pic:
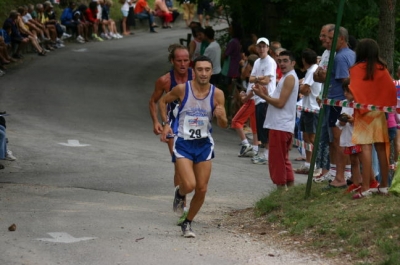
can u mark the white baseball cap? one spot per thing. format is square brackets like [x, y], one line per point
[265, 40]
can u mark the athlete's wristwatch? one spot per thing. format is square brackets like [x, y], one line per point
[164, 123]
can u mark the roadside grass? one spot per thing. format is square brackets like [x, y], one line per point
[333, 223]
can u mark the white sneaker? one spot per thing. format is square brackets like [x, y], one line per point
[244, 149]
[66, 36]
[119, 36]
[80, 40]
[327, 177]
[259, 160]
[251, 153]
[9, 156]
[317, 172]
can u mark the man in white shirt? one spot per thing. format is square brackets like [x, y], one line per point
[264, 74]
[310, 91]
[280, 120]
[213, 51]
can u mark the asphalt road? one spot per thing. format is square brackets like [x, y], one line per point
[110, 202]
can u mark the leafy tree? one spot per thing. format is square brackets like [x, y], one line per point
[297, 23]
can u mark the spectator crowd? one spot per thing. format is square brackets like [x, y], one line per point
[357, 149]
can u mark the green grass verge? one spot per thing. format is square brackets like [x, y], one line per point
[333, 223]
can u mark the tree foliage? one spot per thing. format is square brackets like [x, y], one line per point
[297, 23]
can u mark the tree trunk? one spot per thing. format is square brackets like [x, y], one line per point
[386, 30]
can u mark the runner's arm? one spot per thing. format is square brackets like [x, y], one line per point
[155, 97]
[219, 111]
[176, 93]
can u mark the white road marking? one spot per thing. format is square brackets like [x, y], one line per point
[60, 237]
[80, 50]
[74, 143]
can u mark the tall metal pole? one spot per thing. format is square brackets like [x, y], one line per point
[324, 93]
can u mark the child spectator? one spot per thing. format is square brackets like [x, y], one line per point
[107, 22]
[67, 19]
[79, 21]
[345, 122]
[308, 119]
[247, 111]
[125, 12]
[90, 15]
[195, 44]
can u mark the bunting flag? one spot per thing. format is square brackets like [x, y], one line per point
[354, 105]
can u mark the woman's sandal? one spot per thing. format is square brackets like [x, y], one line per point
[42, 53]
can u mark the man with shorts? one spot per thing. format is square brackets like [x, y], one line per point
[263, 73]
[324, 171]
[188, 11]
[309, 115]
[179, 74]
[280, 120]
[193, 144]
[344, 59]
[204, 6]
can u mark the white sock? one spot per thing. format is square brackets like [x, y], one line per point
[255, 148]
[245, 141]
[266, 153]
[306, 164]
[333, 169]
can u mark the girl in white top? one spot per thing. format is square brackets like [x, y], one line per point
[125, 11]
[345, 122]
[195, 44]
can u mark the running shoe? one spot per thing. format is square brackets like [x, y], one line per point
[244, 149]
[94, 36]
[80, 39]
[179, 202]
[259, 160]
[182, 218]
[187, 230]
[9, 156]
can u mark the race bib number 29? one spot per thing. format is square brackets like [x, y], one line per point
[195, 127]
